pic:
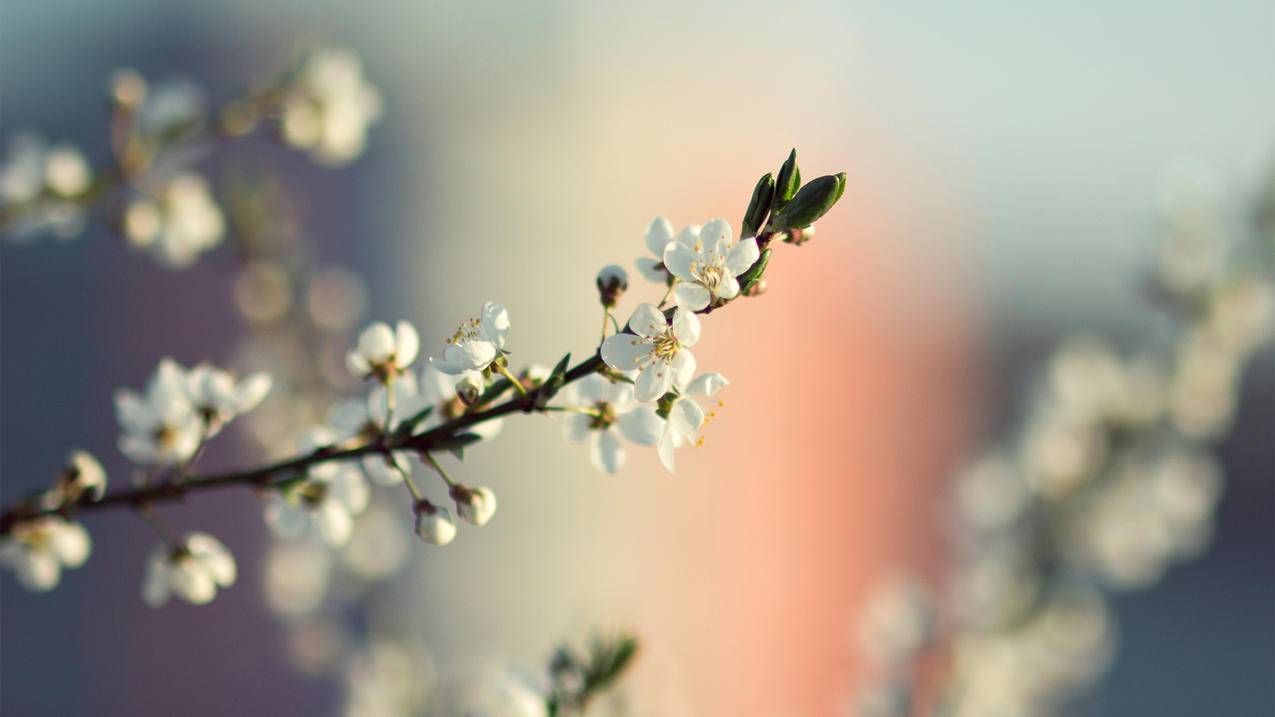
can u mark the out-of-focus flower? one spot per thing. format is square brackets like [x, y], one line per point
[612, 282]
[161, 428]
[296, 577]
[474, 505]
[384, 353]
[82, 476]
[172, 106]
[328, 108]
[612, 412]
[685, 416]
[326, 499]
[389, 678]
[44, 180]
[898, 622]
[658, 236]
[191, 571]
[177, 222]
[36, 550]
[476, 343]
[434, 524]
[365, 421]
[658, 350]
[218, 395]
[706, 269]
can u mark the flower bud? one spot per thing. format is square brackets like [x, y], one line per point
[469, 388]
[612, 281]
[757, 288]
[474, 505]
[83, 475]
[434, 524]
[128, 88]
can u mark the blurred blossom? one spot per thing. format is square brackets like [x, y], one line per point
[990, 493]
[388, 679]
[324, 501]
[176, 222]
[296, 578]
[172, 106]
[336, 299]
[379, 545]
[263, 291]
[328, 108]
[503, 690]
[39, 183]
[191, 569]
[898, 621]
[37, 551]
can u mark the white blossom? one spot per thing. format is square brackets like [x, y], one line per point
[176, 222]
[328, 109]
[474, 505]
[326, 500]
[658, 237]
[686, 416]
[612, 412]
[657, 349]
[218, 395]
[162, 427]
[83, 475]
[44, 180]
[364, 421]
[442, 391]
[36, 550]
[476, 343]
[191, 571]
[706, 269]
[382, 352]
[434, 524]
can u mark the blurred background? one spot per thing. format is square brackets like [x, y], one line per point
[1004, 174]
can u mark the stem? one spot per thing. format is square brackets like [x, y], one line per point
[606, 318]
[429, 458]
[407, 481]
[504, 371]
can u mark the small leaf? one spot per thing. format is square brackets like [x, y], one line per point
[812, 202]
[754, 273]
[553, 384]
[758, 206]
[787, 182]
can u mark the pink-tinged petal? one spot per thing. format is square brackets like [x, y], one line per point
[658, 234]
[648, 321]
[679, 258]
[642, 425]
[653, 382]
[652, 269]
[495, 324]
[407, 344]
[742, 256]
[624, 352]
[690, 295]
[683, 368]
[606, 453]
[686, 327]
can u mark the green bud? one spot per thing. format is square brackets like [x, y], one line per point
[758, 206]
[787, 182]
[813, 201]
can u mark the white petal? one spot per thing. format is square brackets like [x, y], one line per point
[641, 425]
[683, 368]
[192, 581]
[407, 344]
[742, 256]
[349, 490]
[251, 391]
[685, 419]
[678, 259]
[495, 323]
[382, 473]
[691, 295]
[715, 234]
[652, 269]
[357, 365]
[686, 327]
[155, 584]
[376, 343]
[706, 384]
[71, 544]
[133, 414]
[39, 571]
[436, 386]
[625, 352]
[487, 430]
[658, 234]
[285, 519]
[215, 557]
[648, 321]
[689, 235]
[654, 381]
[606, 453]
[665, 449]
[727, 288]
[577, 427]
[334, 523]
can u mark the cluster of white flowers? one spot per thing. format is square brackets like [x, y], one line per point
[1108, 483]
[40, 184]
[181, 409]
[329, 106]
[176, 222]
[36, 550]
[191, 568]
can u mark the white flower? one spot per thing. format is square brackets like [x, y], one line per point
[612, 412]
[177, 222]
[330, 107]
[218, 396]
[325, 500]
[364, 422]
[658, 236]
[474, 505]
[441, 391]
[706, 269]
[36, 550]
[44, 180]
[162, 428]
[657, 349]
[686, 416]
[476, 343]
[192, 571]
[83, 475]
[382, 352]
[435, 524]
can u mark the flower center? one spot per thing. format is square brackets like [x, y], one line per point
[604, 417]
[710, 276]
[666, 347]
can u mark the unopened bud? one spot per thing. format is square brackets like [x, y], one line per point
[469, 388]
[757, 288]
[612, 281]
[434, 524]
[800, 236]
[474, 505]
[83, 475]
[128, 88]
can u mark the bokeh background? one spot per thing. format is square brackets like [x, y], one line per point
[1004, 164]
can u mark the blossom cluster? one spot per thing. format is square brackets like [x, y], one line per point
[1107, 484]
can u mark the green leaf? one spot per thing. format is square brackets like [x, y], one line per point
[553, 384]
[758, 206]
[787, 182]
[811, 202]
[456, 444]
[754, 273]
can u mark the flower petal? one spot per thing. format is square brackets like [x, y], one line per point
[577, 427]
[665, 449]
[654, 381]
[685, 419]
[686, 327]
[715, 236]
[652, 269]
[642, 425]
[376, 342]
[495, 323]
[706, 384]
[683, 368]
[407, 344]
[691, 295]
[648, 321]
[624, 352]
[71, 544]
[658, 234]
[742, 256]
[606, 453]
[678, 259]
